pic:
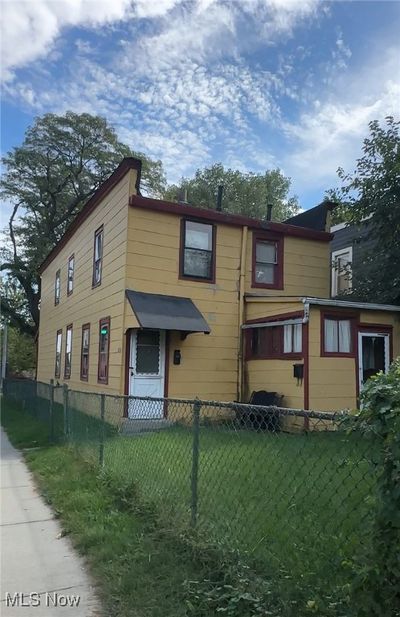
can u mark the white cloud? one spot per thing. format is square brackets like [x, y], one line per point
[330, 135]
[31, 26]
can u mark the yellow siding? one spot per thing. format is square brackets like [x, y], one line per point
[276, 376]
[306, 268]
[268, 307]
[208, 367]
[86, 304]
[332, 380]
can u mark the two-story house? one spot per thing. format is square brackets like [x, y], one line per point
[153, 298]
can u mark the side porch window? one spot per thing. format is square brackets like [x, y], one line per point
[337, 334]
[279, 342]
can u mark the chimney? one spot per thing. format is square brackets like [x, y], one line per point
[183, 195]
[269, 212]
[219, 197]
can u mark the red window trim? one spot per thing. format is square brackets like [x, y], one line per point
[339, 316]
[278, 355]
[198, 279]
[98, 231]
[58, 374]
[69, 261]
[102, 322]
[85, 326]
[278, 278]
[58, 276]
[68, 376]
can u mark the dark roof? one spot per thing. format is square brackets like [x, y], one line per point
[238, 220]
[314, 218]
[162, 312]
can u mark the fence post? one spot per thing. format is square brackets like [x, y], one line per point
[102, 426]
[51, 411]
[195, 462]
[66, 411]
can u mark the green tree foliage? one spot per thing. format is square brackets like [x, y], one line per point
[244, 193]
[376, 586]
[47, 180]
[21, 352]
[372, 191]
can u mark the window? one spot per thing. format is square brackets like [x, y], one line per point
[70, 275]
[57, 287]
[148, 352]
[292, 334]
[98, 256]
[68, 353]
[341, 270]
[275, 342]
[85, 352]
[267, 261]
[104, 349]
[337, 336]
[57, 369]
[197, 259]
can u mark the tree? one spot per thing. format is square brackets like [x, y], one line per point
[372, 192]
[47, 180]
[244, 193]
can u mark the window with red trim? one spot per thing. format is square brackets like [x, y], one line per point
[68, 353]
[98, 256]
[57, 368]
[275, 342]
[85, 352]
[267, 261]
[57, 287]
[70, 275]
[104, 350]
[337, 336]
[197, 252]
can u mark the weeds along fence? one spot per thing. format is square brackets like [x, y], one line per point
[290, 490]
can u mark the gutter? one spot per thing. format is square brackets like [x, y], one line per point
[347, 304]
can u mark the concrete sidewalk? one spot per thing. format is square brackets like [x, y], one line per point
[34, 558]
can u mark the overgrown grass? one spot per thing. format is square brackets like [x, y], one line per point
[297, 506]
[143, 569]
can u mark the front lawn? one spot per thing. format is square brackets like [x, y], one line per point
[296, 505]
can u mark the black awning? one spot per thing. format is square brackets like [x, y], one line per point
[161, 312]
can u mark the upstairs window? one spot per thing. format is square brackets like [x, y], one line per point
[267, 261]
[85, 352]
[337, 336]
[57, 369]
[275, 342]
[57, 288]
[197, 258]
[104, 350]
[341, 271]
[70, 275]
[68, 353]
[98, 256]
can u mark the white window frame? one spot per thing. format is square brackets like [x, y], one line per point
[348, 250]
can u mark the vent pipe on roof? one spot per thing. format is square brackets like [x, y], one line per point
[183, 195]
[269, 212]
[219, 197]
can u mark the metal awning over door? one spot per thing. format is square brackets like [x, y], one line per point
[162, 312]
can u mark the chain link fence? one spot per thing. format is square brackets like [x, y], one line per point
[290, 490]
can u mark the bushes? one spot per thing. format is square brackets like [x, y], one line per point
[376, 587]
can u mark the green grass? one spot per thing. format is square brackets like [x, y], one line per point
[298, 506]
[142, 569]
[295, 508]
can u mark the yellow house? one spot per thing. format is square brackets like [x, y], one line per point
[152, 298]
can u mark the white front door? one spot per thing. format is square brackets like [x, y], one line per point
[147, 373]
[373, 354]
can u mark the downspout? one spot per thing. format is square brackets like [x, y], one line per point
[306, 353]
[242, 278]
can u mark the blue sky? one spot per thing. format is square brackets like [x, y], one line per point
[256, 84]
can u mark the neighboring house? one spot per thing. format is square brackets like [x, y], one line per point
[349, 247]
[152, 298]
